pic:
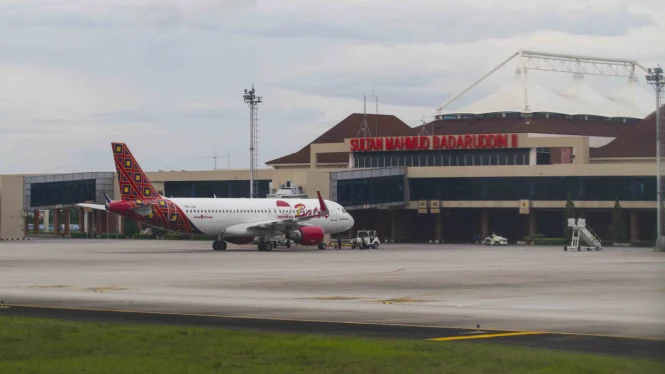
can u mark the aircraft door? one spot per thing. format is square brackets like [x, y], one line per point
[333, 214]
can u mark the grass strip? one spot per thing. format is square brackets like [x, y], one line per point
[37, 345]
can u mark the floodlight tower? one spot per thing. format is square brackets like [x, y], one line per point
[656, 79]
[252, 101]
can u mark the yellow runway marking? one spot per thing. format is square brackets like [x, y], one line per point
[96, 289]
[402, 300]
[102, 289]
[486, 336]
[318, 321]
[336, 298]
[53, 286]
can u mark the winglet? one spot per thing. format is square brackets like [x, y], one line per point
[92, 206]
[322, 203]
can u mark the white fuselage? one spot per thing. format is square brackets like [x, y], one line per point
[214, 215]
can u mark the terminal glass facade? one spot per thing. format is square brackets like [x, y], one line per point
[232, 188]
[62, 193]
[475, 157]
[352, 192]
[638, 188]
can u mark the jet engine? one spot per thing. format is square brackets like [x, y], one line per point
[239, 240]
[306, 235]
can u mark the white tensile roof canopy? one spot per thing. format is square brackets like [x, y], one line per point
[524, 95]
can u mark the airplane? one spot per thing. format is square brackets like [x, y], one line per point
[232, 220]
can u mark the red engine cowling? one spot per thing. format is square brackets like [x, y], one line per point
[306, 235]
[239, 240]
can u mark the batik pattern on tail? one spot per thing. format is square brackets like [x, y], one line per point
[137, 191]
[133, 182]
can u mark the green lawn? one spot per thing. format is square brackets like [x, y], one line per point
[31, 345]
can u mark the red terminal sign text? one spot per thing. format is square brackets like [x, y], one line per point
[415, 143]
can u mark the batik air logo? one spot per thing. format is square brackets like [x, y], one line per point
[300, 209]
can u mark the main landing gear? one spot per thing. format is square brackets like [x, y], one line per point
[219, 245]
[265, 245]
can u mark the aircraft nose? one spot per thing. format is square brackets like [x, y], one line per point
[351, 221]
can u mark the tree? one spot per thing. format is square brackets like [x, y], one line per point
[131, 228]
[618, 227]
[568, 213]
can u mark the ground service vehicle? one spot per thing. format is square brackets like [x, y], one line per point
[365, 239]
[496, 240]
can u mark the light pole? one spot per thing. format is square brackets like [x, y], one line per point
[655, 78]
[252, 100]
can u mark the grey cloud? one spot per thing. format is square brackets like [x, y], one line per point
[224, 131]
[176, 57]
[159, 15]
[208, 113]
[456, 24]
[134, 115]
[164, 15]
[453, 24]
[403, 89]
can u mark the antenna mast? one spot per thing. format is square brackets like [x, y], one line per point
[252, 101]
[423, 130]
[228, 160]
[376, 124]
[214, 156]
[364, 127]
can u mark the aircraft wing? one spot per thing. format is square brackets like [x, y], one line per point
[140, 210]
[277, 224]
[92, 206]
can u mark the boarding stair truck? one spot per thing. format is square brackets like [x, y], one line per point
[582, 233]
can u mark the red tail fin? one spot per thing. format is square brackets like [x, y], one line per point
[133, 182]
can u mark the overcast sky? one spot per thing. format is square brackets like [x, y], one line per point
[167, 77]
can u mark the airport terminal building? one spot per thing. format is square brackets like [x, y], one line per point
[507, 163]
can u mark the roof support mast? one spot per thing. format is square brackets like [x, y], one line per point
[580, 64]
[524, 89]
[476, 83]
[533, 60]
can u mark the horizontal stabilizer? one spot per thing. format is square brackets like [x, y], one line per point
[144, 210]
[92, 206]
